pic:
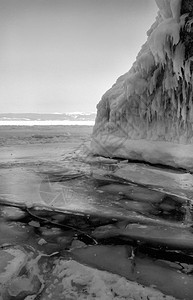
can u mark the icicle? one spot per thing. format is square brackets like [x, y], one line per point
[170, 93]
[189, 25]
[179, 108]
[187, 72]
[175, 82]
[157, 101]
[142, 107]
[145, 61]
[183, 112]
[153, 81]
[151, 87]
[178, 60]
[183, 20]
[190, 98]
[168, 82]
[168, 49]
[191, 113]
[153, 108]
[184, 91]
[173, 100]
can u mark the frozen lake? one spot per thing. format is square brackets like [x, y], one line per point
[129, 219]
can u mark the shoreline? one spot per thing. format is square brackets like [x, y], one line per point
[47, 123]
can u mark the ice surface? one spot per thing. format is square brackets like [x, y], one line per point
[65, 194]
[169, 237]
[156, 152]
[176, 182]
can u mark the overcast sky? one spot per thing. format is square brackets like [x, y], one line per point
[62, 55]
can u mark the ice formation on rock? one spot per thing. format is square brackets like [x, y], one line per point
[151, 106]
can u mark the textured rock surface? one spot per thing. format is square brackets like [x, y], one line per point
[19, 277]
[153, 103]
[73, 280]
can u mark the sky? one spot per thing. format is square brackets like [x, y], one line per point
[63, 55]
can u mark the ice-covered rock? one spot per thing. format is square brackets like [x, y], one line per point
[19, 274]
[72, 280]
[148, 113]
[12, 213]
[145, 271]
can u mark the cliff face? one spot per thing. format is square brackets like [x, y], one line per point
[148, 113]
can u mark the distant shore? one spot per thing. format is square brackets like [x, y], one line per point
[37, 119]
[46, 123]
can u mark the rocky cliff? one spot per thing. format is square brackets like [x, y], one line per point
[148, 113]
